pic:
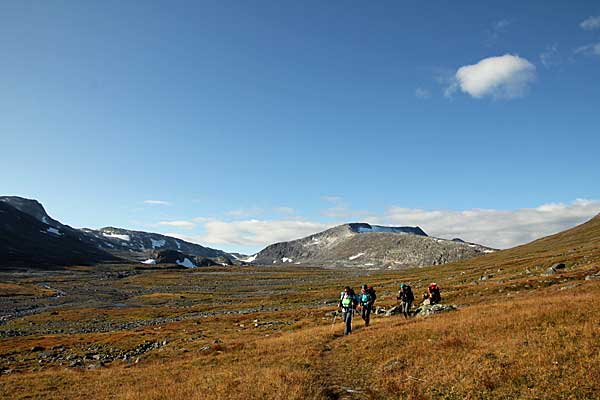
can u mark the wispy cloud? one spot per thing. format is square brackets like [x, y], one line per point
[421, 93]
[592, 49]
[503, 77]
[496, 30]
[550, 57]
[284, 210]
[331, 199]
[245, 212]
[188, 225]
[590, 23]
[157, 202]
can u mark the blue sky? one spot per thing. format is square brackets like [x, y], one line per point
[254, 122]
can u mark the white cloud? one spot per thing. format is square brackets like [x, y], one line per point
[157, 202]
[590, 23]
[422, 93]
[505, 77]
[589, 49]
[179, 224]
[259, 233]
[244, 212]
[497, 228]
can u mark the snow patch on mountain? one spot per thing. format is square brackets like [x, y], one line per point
[149, 261]
[250, 259]
[116, 236]
[186, 263]
[158, 243]
[54, 231]
[285, 259]
[356, 256]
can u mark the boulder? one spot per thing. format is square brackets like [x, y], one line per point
[429, 309]
[393, 311]
[593, 277]
[548, 272]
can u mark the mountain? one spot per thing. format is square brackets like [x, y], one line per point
[365, 245]
[22, 217]
[139, 244]
[26, 241]
[31, 207]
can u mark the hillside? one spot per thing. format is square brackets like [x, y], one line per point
[363, 245]
[26, 242]
[105, 244]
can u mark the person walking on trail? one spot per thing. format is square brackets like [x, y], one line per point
[405, 295]
[366, 304]
[348, 302]
[433, 293]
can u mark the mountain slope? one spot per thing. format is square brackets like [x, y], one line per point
[26, 241]
[364, 245]
[120, 243]
[139, 244]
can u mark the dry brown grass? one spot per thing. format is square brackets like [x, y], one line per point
[23, 289]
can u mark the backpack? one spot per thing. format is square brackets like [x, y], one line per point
[409, 294]
[365, 298]
[350, 300]
[371, 291]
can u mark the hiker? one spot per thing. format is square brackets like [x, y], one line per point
[405, 295]
[433, 293]
[348, 302]
[366, 303]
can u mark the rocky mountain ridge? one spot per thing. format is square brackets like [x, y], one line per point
[365, 245]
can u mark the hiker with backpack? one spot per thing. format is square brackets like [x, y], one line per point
[348, 302]
[405, 295]
[366, 303]
[433, 293]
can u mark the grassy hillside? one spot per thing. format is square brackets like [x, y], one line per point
[264, 333]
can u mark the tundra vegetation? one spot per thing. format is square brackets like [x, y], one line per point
[520, 331]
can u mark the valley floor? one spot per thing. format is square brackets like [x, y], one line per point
[266, 333]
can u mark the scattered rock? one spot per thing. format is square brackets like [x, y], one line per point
[485, 277]
[393, 311]
[37, 348]
[554, 269]
[593, 277]
[429, 309]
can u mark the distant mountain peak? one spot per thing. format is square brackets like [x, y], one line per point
[366, 245]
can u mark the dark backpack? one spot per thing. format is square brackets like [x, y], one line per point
[371, 291]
